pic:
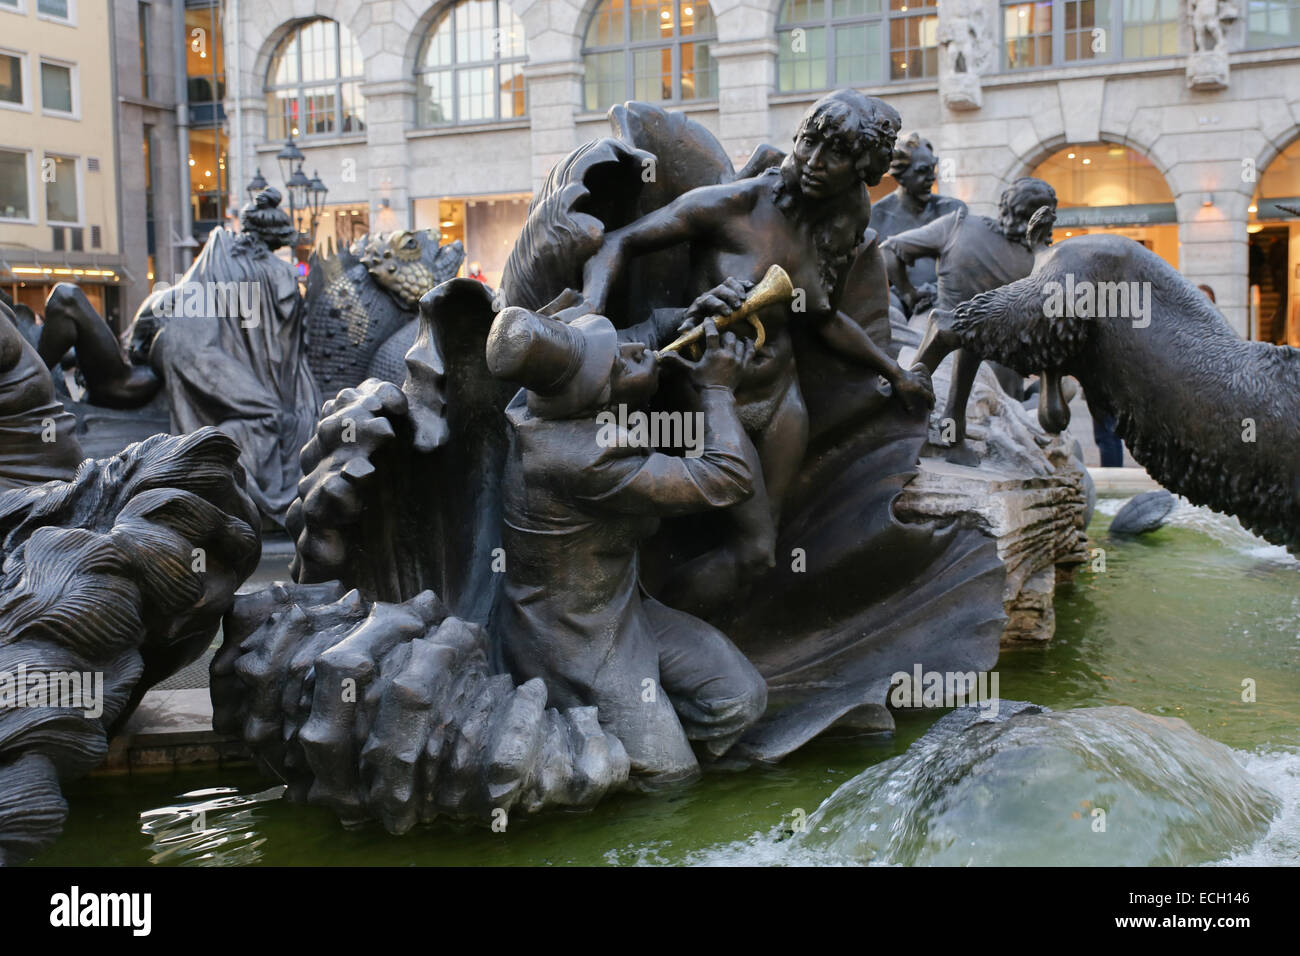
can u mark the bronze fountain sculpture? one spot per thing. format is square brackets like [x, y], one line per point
[636, 517]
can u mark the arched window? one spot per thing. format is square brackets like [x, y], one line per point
[651, 50]
[313, 87]
[471, 65]
[832, 43]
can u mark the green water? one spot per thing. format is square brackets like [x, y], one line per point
[1173, 626]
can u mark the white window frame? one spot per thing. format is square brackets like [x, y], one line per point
[20, 9]
[31, 219]
[70, 20]
[79, 179]
[74, 81]
[24, 70]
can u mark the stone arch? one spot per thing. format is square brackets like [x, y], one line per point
[276, 18]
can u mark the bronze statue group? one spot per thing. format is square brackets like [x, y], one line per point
[539, 615]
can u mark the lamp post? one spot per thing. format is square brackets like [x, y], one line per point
[306, 196]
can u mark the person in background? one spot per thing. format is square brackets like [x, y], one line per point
[476, 272]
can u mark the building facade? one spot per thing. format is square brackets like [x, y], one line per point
[1152, 118]
[60, 216]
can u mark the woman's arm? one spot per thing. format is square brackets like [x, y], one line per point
[689, 217]
[847, 338]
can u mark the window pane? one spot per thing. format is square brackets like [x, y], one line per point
[801, 62]
[651, 19]
[604, 81]
[281, 114]
[512, 91]
[11, 79]
[284, 68]
[801, 11]
[913, 47]
[652, 75]
[1150, 27]
[354, 108]
[350, 59]
[61, 191]
[857, 54]
[858, 8]
[697, 19]
[1028, 31]
[56, 87]
[512, 33]
[13, 185]
[53, 8]
[474, 95]
[474, 31]
[437, 48]
[606, 27]
[319, 51]
[320, 104]
[698, 72]
[435, 106]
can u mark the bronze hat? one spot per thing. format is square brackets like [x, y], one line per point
[564, 367]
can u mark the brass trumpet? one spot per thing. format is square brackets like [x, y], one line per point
[774, 288]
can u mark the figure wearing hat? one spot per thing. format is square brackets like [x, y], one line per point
[576, 509]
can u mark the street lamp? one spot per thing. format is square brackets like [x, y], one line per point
[257, 184]
[316, 198]
[306, 196]
[287, 157]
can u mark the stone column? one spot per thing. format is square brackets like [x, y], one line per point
[1214, 249]
[746, 74]
[554, 95]
[390, 112]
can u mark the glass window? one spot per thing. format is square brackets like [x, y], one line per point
[1027, 35]
[824, 43]
[471, 66]
[313, 86]
[15, 202]
[60, 178]
[1150, 28]
[659, 51]
[11, 4]
[11, 79]
[1272, 23]
[1036, 34]
[54, 8]
[56, 88]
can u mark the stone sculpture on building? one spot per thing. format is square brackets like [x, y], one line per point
[1207, 64]
[966, 47]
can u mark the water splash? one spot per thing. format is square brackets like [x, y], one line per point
[1225, 529]
[1026, 792]
[215, 827]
